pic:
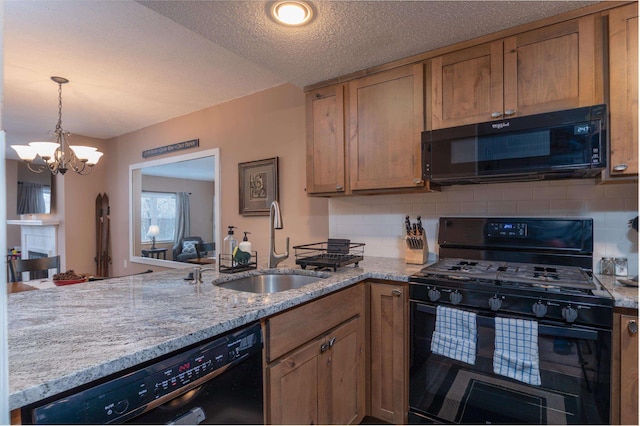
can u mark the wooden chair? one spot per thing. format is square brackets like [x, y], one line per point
[204, 249]
[38, 267]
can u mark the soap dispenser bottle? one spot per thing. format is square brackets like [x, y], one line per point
[230, 243]
[245, 244]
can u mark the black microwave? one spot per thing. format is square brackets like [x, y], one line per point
[555, 145]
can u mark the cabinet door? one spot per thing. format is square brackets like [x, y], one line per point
[386, 118]
[628, 370]
[552, 68]
[623, 90]
[323, 382]
[293, 386]
[342, 383]
[466, 86]
[389, 353]
[325, 140]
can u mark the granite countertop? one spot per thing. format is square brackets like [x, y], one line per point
[63, 337]
[624, 296]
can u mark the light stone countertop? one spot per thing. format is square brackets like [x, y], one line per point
[624, 296]
[63, 337]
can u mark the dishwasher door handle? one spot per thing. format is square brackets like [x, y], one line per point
[194, 416]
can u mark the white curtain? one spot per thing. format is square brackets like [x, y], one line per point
[31, 198]
[183, 217]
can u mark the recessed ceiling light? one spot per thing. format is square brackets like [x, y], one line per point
[292, 12]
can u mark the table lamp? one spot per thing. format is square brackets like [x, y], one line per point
[153, 232]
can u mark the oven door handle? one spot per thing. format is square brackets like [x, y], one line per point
[570, 332]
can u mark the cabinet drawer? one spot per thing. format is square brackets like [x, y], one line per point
[288, 330]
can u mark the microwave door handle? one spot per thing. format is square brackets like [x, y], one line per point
[543, 329]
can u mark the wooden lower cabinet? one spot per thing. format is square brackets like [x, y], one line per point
[624, 372]
[322, 380]
[388, 351]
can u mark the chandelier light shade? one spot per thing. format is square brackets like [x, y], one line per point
[59, 156]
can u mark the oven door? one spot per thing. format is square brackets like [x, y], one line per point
[574, 369]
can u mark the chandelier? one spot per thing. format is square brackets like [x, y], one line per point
[59, 156]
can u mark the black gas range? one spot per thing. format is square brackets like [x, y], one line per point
[533, 272]
[538, 267]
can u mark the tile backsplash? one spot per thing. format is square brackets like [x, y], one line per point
[378, 220]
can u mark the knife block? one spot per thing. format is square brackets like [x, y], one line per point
[416, 251]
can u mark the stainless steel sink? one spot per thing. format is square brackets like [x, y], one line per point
[269, 283]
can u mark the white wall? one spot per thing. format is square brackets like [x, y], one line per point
[378, 221]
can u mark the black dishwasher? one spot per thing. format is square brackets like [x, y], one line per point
[216, 382]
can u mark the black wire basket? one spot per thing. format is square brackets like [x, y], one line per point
[332, 254]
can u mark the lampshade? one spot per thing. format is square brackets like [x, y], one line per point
[25, 152]
[82, 152]
[46, 150]
[93, 157]
[154, 231]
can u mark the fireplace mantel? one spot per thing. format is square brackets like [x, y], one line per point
[34, 222]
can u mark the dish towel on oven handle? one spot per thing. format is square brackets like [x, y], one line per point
[516, 350]
[455, 334]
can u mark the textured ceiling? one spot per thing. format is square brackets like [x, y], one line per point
[134, 64]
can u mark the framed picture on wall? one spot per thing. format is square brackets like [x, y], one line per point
[258, 186]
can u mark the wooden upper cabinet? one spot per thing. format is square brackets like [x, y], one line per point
[386, 118]
[466, 86]
[623, 90]
[552, 68]
[325, 140]
[548, 69]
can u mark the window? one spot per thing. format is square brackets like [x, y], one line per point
[158, 208]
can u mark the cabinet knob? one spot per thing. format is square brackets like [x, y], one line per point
[418, 181]
[339, 187]
[396, 292]
[633, 327]
[496, 114]
[318, 95]
[509, 112]
[620, 168]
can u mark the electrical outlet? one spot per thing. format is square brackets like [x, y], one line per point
[125, 264]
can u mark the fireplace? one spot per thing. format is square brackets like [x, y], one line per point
[39, 238]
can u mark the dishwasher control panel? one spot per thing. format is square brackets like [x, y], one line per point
[125, 397]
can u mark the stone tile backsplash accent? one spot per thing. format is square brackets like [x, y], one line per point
[378, 220]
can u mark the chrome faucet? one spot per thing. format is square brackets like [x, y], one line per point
[275, 222]
[197, 274]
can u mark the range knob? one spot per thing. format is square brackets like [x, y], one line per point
[495, 303]
[434, 294]
[122, 406]
[455, 297]
[569, 314]
[539, 308]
